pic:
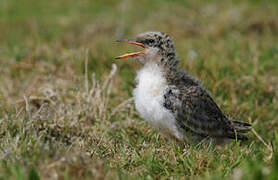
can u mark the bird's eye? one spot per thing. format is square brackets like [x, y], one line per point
[149, 41]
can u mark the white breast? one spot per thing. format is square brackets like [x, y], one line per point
[149, 99]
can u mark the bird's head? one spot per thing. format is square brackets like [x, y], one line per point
[157, 47]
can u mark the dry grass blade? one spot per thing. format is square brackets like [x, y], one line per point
[268, 146]
[86, 71]
[27, 107]
[121, 106]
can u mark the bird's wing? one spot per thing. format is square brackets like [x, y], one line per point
[195, 110]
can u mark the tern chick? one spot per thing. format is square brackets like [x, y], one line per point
[173, 101]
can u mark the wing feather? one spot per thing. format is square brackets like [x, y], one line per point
[195, 110]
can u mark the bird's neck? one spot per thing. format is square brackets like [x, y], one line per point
[167, 64]
[169, 61]
[163, 70]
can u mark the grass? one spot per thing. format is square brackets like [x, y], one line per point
[66, 111]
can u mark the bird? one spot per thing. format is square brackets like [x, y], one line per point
[173, 101]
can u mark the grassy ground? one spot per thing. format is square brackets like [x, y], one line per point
[66, 112]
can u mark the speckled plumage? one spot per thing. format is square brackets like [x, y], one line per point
[173, 101]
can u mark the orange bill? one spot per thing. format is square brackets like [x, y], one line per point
[131, 41]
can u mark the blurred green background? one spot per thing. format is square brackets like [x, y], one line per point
[231, 45]
[215, 32]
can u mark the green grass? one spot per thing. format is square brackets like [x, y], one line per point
[56, 124]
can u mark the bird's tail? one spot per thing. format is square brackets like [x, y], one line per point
[240, 127]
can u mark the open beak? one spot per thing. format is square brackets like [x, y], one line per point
[131, 41]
